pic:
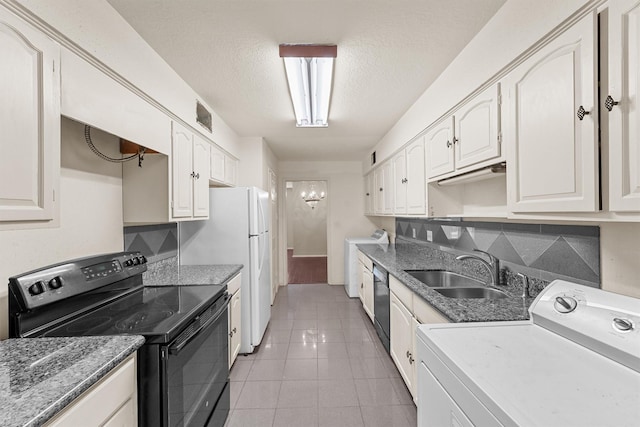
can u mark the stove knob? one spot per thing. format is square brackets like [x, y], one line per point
[143, 259]
[55, 283]
[128, 263]
[565, 304]
[37, 288]
[136, 261]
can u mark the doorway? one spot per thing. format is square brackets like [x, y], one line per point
[306, 213]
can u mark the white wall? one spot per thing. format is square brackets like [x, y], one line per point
[620, 258]
[513, 29]
[90, 212]
[256, 158]
[309, 226]
[345, 207]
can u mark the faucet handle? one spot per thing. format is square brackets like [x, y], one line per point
[525, 284]
[492, 258]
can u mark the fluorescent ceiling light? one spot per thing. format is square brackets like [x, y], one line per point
[309, 70]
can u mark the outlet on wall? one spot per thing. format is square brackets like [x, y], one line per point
[429, 235]
[413, 232]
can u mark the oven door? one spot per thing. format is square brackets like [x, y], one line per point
[197, 370]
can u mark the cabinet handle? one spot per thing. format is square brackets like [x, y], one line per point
[411, 360]
[408, 353]
[582, 112]
[380, 188]
[367, 194]
[609, 103]
[198, 175]
[455, 140]
[192, 175]
[234, 330]
[404, 180]
[231, 334]
[449, 144]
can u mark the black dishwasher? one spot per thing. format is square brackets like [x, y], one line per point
[381, 304]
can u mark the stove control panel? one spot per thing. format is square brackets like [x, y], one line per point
[60, 281]
[602, 321]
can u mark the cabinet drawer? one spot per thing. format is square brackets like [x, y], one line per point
[234, 284]
[104, 400]
[403, 293]
[425, 313]
[365, 260]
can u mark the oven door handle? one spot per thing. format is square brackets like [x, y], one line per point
[177, 347]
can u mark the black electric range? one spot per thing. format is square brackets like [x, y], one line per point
[183, 366]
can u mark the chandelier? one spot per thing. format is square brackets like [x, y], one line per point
[312, 197]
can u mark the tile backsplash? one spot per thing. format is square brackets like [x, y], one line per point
[156, 242]
[555, 251]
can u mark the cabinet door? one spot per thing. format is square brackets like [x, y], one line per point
[387, 188]
[201, 165]
[624, 118]
[361, 269]
[230, 170]
[367, 280]
[553, 155]
[235, 323]
[378, 190]
[399, 164]
[217, 164]
[182, 173]
[477, 127]
[416, 191]
[29, 121]
[402, 343]
[439, 149]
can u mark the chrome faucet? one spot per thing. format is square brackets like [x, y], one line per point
[493, 266]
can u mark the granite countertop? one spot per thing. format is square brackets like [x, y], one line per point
[397, 258]
[170, 273]
[40, 376]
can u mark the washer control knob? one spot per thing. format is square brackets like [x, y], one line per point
[144, 259]
[141, 259]
[55, 283]
[37, 288]
[135, 261]
[623, 325]
[565, 304]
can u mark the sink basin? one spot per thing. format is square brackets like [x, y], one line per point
[475, 292]
[443, 279]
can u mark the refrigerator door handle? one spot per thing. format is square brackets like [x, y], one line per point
[262, 253]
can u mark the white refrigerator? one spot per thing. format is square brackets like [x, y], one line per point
[237, 232]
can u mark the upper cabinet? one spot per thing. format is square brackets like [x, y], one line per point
[224, 168]
[409, 180]
[169, 188]
[551, 125]
[621, 107]
[369, 194]
[383, 189]
[29, 122]
[470, 138]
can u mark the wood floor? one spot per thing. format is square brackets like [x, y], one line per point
[306, 269]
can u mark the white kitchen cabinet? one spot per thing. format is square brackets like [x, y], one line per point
[624, 117]
[190, 161]
[552, 124]
[224, 168]
[235, 317]
[112, 401]
[402, 333]
[366, 292]
[369, 194]
[409, 180]
[384, 189]
[468, 139]
[29, 122]
[165, 189]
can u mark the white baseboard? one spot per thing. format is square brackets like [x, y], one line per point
[309, 256]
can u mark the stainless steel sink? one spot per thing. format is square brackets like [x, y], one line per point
[443, 279]
[475, 292]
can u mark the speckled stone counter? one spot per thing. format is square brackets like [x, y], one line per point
[168, 272]
[40, 376]
[408, 256]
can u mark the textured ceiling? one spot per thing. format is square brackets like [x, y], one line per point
[389, 52]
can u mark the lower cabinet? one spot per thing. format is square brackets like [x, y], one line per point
[407, 312]
[112, 401]
[365, 291]
[235, 317]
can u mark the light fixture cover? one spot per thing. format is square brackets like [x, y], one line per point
[309, 70]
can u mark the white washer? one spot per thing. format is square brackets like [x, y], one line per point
[575, 363]
[351, 259]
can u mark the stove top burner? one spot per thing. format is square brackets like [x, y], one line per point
[139, 321]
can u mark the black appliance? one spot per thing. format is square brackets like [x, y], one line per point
[183, 367]
[381, 309]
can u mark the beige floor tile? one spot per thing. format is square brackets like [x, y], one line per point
[240, 369]
[263, 370]
[305, 323]
[362, 350]
[304, 335]
[340, 417]
[329, 322]
[300, 369]
[259, 394]
[368, 368]
[251, 418]
[332, 350]
[330, 335]
[234, 391]
[384, 416]
[277, 336]
[302, 350]
[376, 392]
[332, 393]
[334, 369]
[272, 351]
[296, 417]
[298, 394]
